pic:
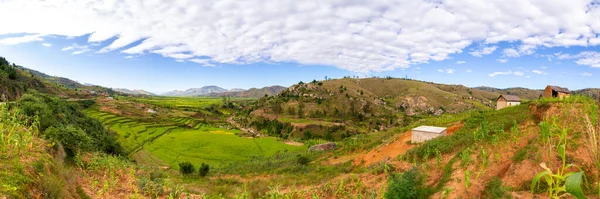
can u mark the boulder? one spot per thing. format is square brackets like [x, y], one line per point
[323, 147]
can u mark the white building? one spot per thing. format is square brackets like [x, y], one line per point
[424, 133]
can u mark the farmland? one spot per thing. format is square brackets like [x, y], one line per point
[151, 143]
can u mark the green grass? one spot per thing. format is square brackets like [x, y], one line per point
[216, 147]
[171, 144]
[183, 102]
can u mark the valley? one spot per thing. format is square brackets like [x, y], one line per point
[111, 144]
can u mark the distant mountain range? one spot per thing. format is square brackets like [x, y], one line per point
[252, 93]
[133, 92]
[216, 91]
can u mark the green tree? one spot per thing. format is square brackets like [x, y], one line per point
[203, 169]
[407, 185]
[186, 168]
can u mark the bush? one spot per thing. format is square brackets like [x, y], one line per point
[186, 168]
[406, 185]
[72, 139]
[203, 169]
[64, 116]
[303, 160]
[494, 189]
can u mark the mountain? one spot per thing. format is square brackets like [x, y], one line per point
[196, 91]
[133, 92]
[253, 92]
[236, 90]
[523, 93]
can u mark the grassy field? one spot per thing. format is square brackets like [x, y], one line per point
[183, 102]
[153, 144]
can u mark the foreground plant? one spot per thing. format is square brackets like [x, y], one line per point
[561, 182]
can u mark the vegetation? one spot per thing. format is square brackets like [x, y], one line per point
[64, 124]
[409, 184]
[186, 168]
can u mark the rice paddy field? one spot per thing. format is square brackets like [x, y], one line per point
[183, 102]
[165, 144]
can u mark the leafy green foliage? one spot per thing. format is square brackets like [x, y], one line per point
[186, 168]
[72, 138]
[203, 169]
[64, 122]
[494, 189]
[303, 160]
[407, 185]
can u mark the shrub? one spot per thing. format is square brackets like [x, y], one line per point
[406, 185]
[203, 169]
[494, 189]
[303, 160]
[186, 168]
[72, 139]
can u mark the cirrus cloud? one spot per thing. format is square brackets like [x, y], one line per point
[359, 36]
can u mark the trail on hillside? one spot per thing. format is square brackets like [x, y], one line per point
[396, 148]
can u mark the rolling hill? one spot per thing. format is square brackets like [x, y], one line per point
[252, 93]
[205, 90]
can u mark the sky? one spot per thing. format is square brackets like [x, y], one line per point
[163, 45]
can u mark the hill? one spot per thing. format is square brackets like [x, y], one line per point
[251, 93]
[205, 90]
[15, 82]
[338, 108]
[523, 93]
[133, 92]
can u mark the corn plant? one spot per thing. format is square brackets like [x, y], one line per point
[465, 157]
[467, 180]
[561, 182]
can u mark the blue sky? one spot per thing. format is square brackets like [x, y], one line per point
[168, 45]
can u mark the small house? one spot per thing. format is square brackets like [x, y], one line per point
[556, 91]
[507, 100]
[424, 133]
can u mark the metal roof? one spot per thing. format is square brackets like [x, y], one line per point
[510, 98]
[559, 89]
[430, 129]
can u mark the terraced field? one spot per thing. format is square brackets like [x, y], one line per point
[167, 145]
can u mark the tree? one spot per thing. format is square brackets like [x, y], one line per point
[300, 109]
[302, 160]
[406, 185]
[186, 168]
[203, 169]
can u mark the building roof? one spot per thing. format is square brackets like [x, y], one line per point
[430, 129]
[559, 89]
[510, 98]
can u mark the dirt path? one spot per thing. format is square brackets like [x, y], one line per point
[396, 148]
[388, 152]
[247, 130]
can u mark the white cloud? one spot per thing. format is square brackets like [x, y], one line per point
[484, 51]
[449, 71]
[460, 62]
[46, 44]
[509, 52]
[539, 72]
[20, 39]
[360, 36]
[469, 71]
[502, 60]
[586, 74]
[129, 57]
[204, 62]
[517, 73]
[544, 67]
[587, 58]
[77, 49]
